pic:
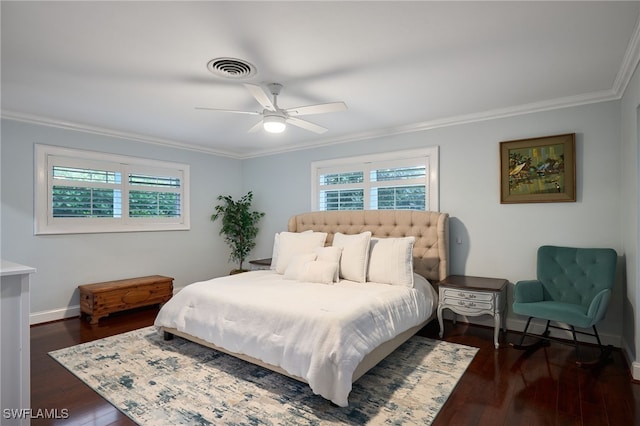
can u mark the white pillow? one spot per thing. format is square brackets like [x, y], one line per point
[355, 255]
[276, 249]
[330, 254]
[319, 272]
[391, 261]
[297, 264]
[293, 243]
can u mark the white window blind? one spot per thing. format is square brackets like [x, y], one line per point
[80, 191]
[85, 192]
[154, 196]
[341, 190]
[403, 180]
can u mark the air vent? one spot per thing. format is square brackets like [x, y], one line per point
[231, 68]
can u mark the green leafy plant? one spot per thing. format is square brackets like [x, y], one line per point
[239, 225]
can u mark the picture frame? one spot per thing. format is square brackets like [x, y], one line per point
[538, 170]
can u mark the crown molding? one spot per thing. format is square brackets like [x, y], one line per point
[566, 102]
[629, 62]
[494, 114]
[45, 121]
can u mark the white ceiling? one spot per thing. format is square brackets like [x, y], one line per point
[138, 69]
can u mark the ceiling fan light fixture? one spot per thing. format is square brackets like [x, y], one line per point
[274, 118]
[273, 124]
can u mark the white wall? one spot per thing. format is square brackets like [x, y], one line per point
[498, 240]
[630, 159]
[65, 261]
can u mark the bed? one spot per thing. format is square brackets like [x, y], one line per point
[317, 316]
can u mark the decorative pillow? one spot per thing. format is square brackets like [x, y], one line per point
[276, 249]
[391, 261]
[297, 264]
[355, 255]
[293, 243]
[330, 254]
[319, 272]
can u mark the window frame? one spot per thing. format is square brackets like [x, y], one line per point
[48, 156]
[366, 163]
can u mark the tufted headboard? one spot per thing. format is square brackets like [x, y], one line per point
[430, 229]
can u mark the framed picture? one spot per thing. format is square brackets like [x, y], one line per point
[538, 170]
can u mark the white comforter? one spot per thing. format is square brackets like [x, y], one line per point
[314, 331]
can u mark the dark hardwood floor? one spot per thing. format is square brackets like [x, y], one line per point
[500, 387]
[508, 387]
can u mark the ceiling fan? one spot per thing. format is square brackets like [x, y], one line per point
[274, 118]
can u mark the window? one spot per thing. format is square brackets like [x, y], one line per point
[403, 180]
[81, 191]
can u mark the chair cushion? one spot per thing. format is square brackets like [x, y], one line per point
[567, 313]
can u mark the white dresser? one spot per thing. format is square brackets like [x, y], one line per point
[15, 368]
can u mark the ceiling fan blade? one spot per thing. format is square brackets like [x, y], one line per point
[229, 110]
[261, 96]
[256, 127]
[318, 109]
[303, 124]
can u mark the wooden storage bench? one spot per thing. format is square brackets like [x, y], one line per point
[101, 299]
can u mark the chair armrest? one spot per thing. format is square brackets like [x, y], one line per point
[528, 291]
[598, 306]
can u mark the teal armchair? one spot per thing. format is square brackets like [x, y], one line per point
[573, 287]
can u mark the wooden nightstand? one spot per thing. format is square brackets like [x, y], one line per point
[260, 264]
[473, 296]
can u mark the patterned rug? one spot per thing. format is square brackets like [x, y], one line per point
[157, 382]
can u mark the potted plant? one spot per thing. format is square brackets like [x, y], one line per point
[239, 226]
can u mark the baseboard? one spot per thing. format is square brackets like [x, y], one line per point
[634, 366]
[54, 315]
[538, 327]
[635, 370]
[517, 325]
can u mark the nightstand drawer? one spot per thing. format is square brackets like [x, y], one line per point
[468, 305]
[455, 293]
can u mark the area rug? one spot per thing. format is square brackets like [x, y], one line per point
[157, 382]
